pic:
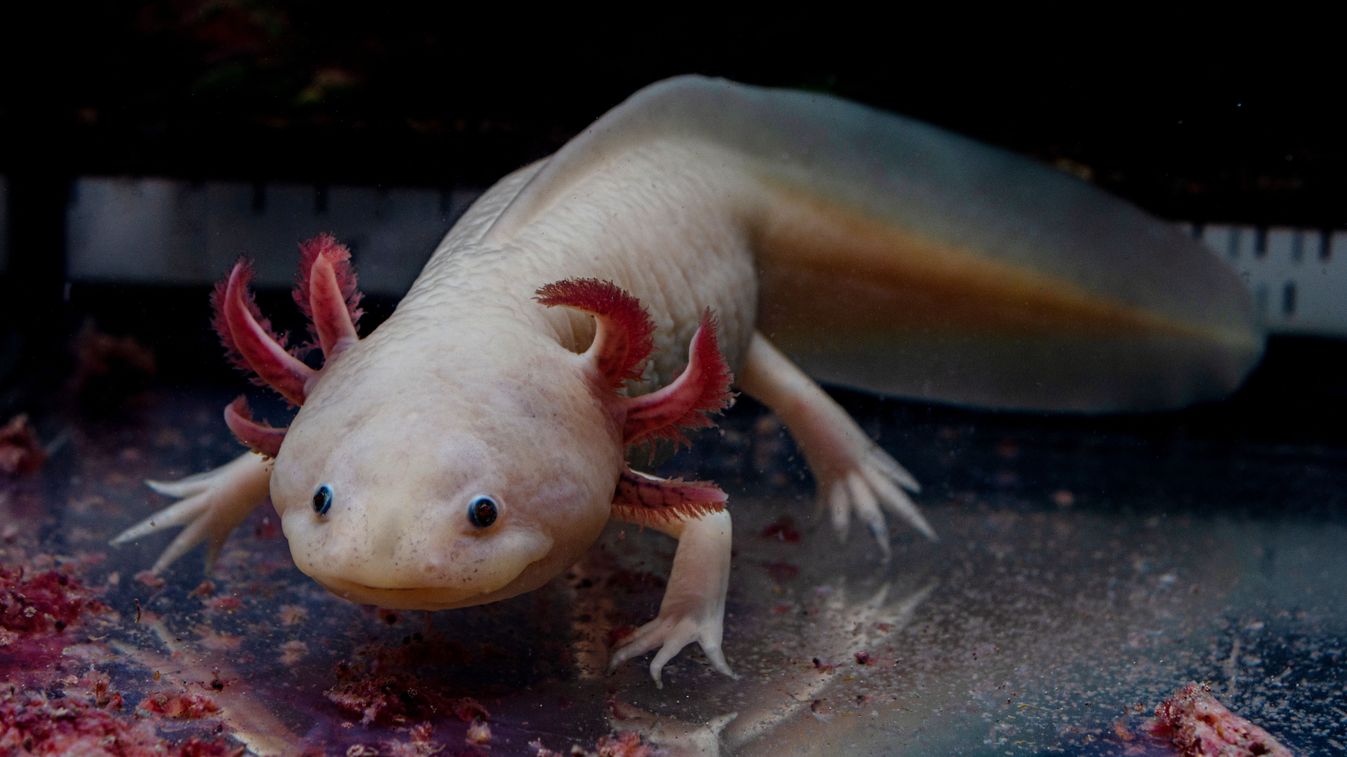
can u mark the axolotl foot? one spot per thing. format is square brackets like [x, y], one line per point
[853, 475]
[693, 608]
[210, 506]
[693, 512]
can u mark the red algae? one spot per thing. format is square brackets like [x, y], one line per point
[479, 733]
[624, 744]
[33, 723]
[621, 744]
[389, 699]
[397, 699]
[1198, 725]
[40, 604]
[782, 529]
[20, 451]
[180, 706]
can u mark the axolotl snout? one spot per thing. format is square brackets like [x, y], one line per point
[474, 445]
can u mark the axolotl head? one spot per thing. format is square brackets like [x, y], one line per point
[431, 468]
[436, 476]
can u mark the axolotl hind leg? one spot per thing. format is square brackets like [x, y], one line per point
[853, 474]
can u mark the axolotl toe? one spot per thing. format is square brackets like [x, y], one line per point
[474, 445]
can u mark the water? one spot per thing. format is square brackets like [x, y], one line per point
[1086, 570]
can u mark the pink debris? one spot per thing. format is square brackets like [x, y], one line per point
[478, 733]
[41, 603]
[180, 706]
[782, 529]
[20, 451]
[1198, 725]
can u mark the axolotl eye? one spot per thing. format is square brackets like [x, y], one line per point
[322, 499]
[482, 511]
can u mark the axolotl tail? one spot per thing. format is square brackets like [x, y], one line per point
[900, 258]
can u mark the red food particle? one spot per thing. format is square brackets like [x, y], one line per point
[478, 733]
[150, 579]
[618, 634]
[782, 529]
[41, 604]
[20, 451]
[781, 572]
[225, 604]
[862, 658]
[624, 744]
[180, 706]
[32, 723]
[1198, 725]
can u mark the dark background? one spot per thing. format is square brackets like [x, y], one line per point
[1189, 119]
[1177, 112]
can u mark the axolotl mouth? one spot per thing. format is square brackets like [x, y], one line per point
[414, 598]
[522, 565]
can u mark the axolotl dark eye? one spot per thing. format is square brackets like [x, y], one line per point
[482, 511]
[322, 499]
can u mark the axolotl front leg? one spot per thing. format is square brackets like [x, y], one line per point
[693, 607]
[214, 503]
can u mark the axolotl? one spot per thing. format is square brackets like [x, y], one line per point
[474, 445]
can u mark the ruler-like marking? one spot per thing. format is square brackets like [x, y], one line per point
[177, 232]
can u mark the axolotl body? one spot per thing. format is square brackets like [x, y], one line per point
[474, 445]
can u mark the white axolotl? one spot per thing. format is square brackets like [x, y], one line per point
[473, 446]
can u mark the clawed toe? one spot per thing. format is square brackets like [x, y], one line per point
[874, 485]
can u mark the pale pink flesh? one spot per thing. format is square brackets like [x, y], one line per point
[261, 351]
[703, 387]
[646, 499]
[259, 437]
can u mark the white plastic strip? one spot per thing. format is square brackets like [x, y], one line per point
[1298, 276]
[163, 231]
[173, 232]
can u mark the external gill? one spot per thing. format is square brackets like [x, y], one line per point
[622, 343]
[326, 292]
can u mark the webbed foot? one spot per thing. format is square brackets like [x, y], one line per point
[210, 506]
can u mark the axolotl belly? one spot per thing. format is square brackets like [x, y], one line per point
[474, 445]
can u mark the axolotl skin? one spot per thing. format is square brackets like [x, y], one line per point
[474, 445]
